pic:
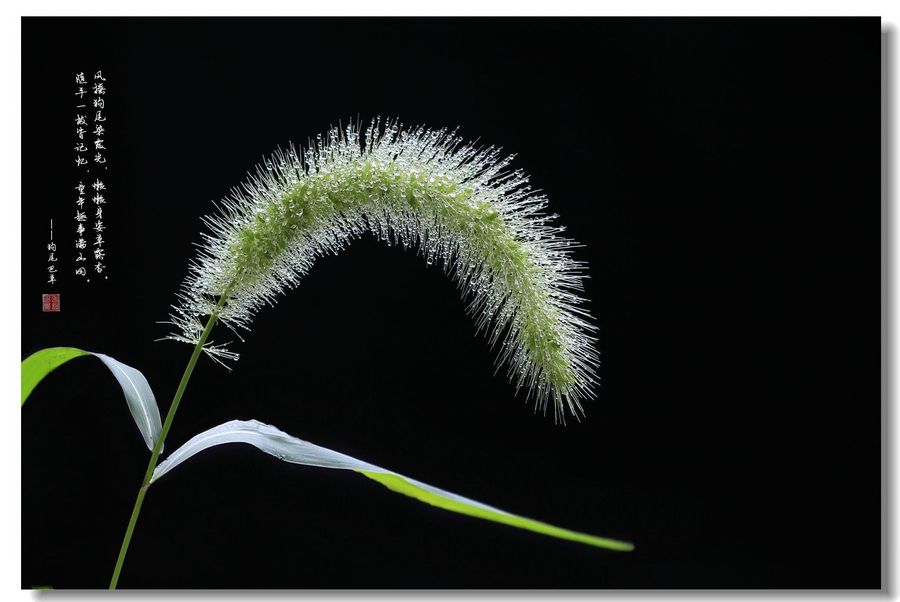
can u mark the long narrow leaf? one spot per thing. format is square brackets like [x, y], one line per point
[138, 394]
[291, 449]
[41, 363]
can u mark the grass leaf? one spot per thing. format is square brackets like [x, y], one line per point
[277, 443]
[138, 394]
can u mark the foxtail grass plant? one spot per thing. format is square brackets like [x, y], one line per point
[461, 206]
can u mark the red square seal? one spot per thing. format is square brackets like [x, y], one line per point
[50, 302]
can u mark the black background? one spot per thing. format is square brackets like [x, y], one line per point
[724, 177]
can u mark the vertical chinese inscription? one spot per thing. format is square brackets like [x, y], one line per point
[51, 258]
[50, 301]
[90, 161]
[80, 242]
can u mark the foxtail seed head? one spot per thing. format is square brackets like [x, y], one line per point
[417, 188]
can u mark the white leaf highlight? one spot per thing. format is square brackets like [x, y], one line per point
[264, 437]
[139, 396]
[297, 451]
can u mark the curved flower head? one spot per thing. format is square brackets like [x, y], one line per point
[457, 203]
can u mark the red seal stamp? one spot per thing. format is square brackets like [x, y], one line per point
[50, 302]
